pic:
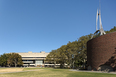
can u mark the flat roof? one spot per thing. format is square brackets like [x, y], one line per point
[31, 54]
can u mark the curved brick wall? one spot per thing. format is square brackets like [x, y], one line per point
[102, 51]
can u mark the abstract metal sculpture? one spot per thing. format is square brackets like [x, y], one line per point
[102, 32]
[100, 23]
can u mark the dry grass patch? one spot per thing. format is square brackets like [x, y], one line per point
[11, 70]
[4, 70]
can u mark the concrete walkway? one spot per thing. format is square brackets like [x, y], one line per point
[93, 71]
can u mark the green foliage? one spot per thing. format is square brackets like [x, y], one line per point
[74, 53]
[3, 59]
[52, 57]
[9, 59]
[111, 30]
[15, 59]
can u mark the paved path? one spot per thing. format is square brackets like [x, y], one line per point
[93, 71]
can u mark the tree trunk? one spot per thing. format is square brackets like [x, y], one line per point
[54, 64]
[15, 63]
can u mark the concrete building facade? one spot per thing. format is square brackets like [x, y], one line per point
[33, 59]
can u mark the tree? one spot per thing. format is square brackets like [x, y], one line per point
[71, 51]
[111, 30]
[74, 52]
[62, 57]
[52, 57]
[15, 59]
[58, 56]
[3, 59]
[82, 48]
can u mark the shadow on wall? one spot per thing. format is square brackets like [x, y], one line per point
[110, 65]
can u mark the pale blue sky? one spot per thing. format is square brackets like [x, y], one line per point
[45, 25]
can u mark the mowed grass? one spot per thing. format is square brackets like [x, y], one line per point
[49, 72]
[2, 68]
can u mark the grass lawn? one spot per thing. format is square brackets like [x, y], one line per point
[49, 72]
[2, 68]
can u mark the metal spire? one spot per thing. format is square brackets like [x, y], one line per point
[96, 20]
[101, 28]
[100, 22]
[102, 32]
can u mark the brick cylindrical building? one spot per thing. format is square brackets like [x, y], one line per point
[102, 51]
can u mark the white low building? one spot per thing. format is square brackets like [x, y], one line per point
[33, 59]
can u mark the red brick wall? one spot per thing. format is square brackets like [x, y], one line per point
[102, 50]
